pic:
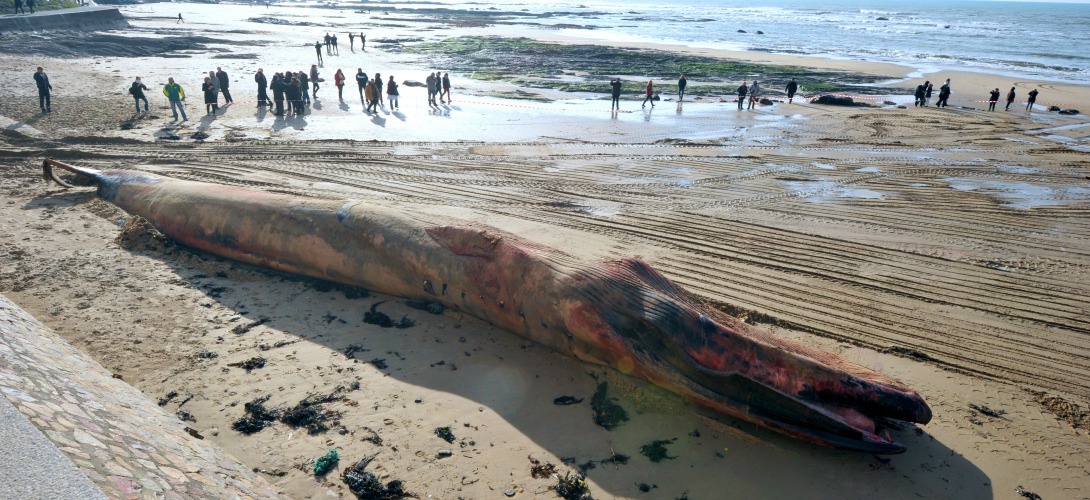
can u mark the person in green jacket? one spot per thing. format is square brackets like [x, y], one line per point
[175, 94]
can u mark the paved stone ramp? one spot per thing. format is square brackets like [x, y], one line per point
[122, 441]
[76, 19]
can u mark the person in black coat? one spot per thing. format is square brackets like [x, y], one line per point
[615, 93]
[44, 89]
[137, 90]
[262, 84]
[792, 87]
[225, 82]
[742, 90]
[211, 99]
[278, 94]
[993, 98]
[305, 82]
[1032, 99]
[920, 90]
[1010, 98]
[944, 94]
[295, 91]
[19, 7]
[30, 3]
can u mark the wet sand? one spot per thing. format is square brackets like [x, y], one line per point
[954, 265]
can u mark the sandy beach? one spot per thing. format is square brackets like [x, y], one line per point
[947, 248]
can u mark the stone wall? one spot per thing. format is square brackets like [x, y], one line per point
[125, 443]
[75, 19]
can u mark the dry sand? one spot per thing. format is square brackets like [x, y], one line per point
[947, 248]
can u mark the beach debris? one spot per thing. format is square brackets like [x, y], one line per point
[257, 416]
[646, 488]
[310, 415]
[607, 413]
[351, 350]
[907, 352]
[430, 306]
[1069, 112]
[445, 434]
[376, 317]
[988, 411]
[444, 453]
[509, 493]
[695, 433]
[206, 354]
[379, 363]
[572, 487]
[166, 399]
[616, 459]
[139, 234]
[366, 485]
[656, 450]
[241, 329]
[1075, 415]
[250, 364]
[277, 344]
[193, 432]
[326, 462]
[1024, 493]
[833, 100]
[540, 470]
[567, 400]
[631, 316]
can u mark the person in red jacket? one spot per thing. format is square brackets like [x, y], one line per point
[338, 80]
[650, 93]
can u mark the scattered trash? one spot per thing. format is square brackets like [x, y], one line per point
[607, 413]
[1027, 494]
[241, 329]
[379, 363]
[308, 413]
[566, 400]
[365, 484]
[573, 488]
[695, 433]
[352, 349]
[278, 344]
[376, 317]
[540, 471]
[444, 454]
[988, 411]
[250, 364]
[616, 459]
[207, 355]
[430, 306]
[445, 434]
[193, 432]
[166, 399]
[645, 488]
[656, 450]
[326, 463]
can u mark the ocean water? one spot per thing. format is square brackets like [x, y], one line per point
[1026, 39]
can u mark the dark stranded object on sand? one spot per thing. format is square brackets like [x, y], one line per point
[835, 100]
[1069, 112]
[620, 313]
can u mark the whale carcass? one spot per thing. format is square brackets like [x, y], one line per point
[619, 313]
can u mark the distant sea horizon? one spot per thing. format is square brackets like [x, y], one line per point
[1034, 40]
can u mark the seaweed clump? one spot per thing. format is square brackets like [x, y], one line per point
[656, 450]
[258, 416]
[607, 413]
[573, 487]
[309, 414]
[365, 484]
[445, 434]
[376, 317]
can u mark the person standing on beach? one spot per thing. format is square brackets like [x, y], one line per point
[792, 87]
[993, 98]
[1010, 98]
[742, 90]
[137, 90]
[615, 92]
[378, 87]
[754, 94]
[262, 84]
[278, 93]
[363, 42]
[19, 7]
[215, 83]
[927, 89]
[210, 95]
[225, 82]
[921, 89]
[338, 80]
[352, 42]
[314, 79]
[318, 50]
[44, 89]
[30, 3]
[328, 45]
[681, 83]
[361, 80]
[296, 92]
[944, 94]
[446, 86]
[431, 89]
[1032, 99]
[304, 84]
[649, 91]
[175, 94]
[336, 51]
[391, 92]
[179, 22]
[368, 96]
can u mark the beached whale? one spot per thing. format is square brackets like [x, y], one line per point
[620, 313]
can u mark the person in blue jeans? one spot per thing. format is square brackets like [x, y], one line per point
[176, 95]
[137, 90]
